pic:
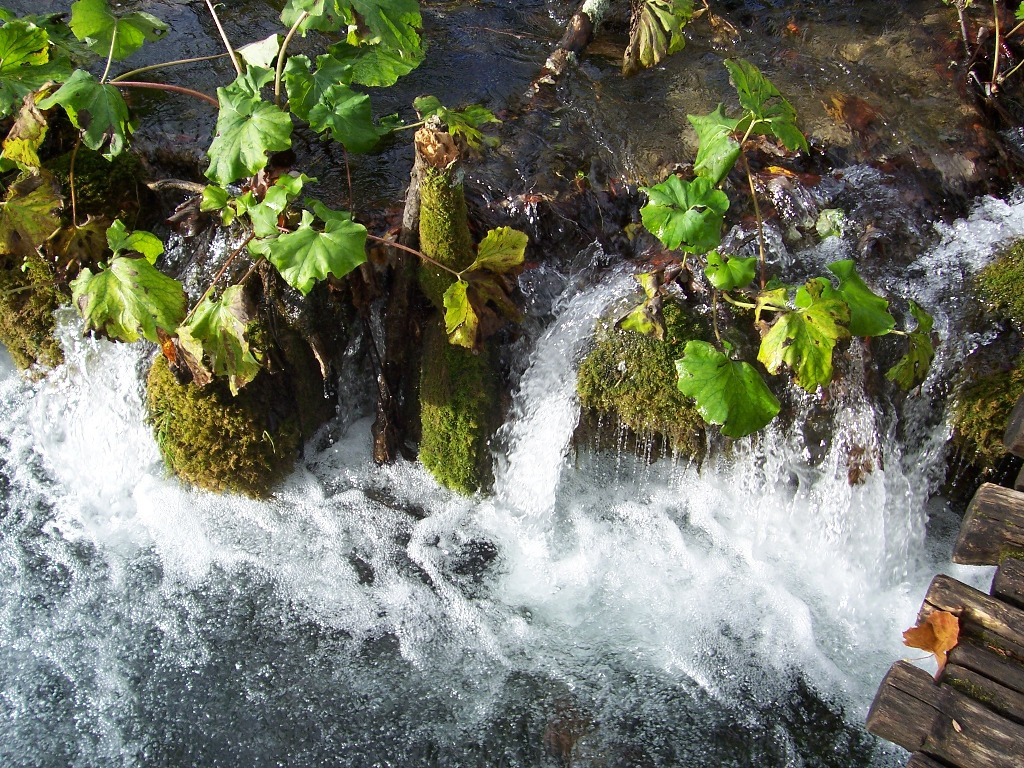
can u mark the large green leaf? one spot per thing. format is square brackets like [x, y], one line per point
[30, 213]
[129, 299]
[717, 150]
[217, 329]
[656, 31]
[25, 63]
[306, 87]
[869, 312]
[912, 368]
[322, 15]
[461, 122]
[686, 215]
[97, 109]
[107, 34]
[501, 250]
[460, 319]
[348, 115]
[758, 95]
[804, 339]
[120, 241]
[730, 272]
[247, 128]
[380, 65]
[393, 24]
[307, 255]
[728, 392]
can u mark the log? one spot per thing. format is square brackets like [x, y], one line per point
[993, 527]
[913, 712]
[1008, 583]
[1013, 437]
[980, 615]
[1000, 699]
[993, 664]
[1018, 483]
[921, 760]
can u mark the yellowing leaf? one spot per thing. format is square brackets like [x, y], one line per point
[938, 634]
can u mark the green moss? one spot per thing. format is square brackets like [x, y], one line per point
[102, 187]
[219, 442]
[633, 377]
[444, 231]
[981, 412]
[457, 397]
[27, 300]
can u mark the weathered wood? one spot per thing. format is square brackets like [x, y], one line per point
[1018, 483]
[1013, 437]
[992, 527]
[980, 658]
[913, 712]
[980, 615]
[1008, 584]
[921, 760]
[1000, 699]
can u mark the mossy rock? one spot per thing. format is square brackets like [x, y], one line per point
[981, 412]
[1001, 283]
[457, 413]
[240, 444]
[28, 298]
[632, 377]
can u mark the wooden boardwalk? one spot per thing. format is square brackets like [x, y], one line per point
[972, 715]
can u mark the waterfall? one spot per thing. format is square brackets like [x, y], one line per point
[598, 605]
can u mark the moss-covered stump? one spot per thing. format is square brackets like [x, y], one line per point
[980, 414]
[27, 300]
[633, 378]
[241, 444]
[457, 404]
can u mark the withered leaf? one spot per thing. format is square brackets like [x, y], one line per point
[938, 634]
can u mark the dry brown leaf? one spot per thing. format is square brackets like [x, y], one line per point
[938, 634]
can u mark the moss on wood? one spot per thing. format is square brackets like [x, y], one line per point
[28, 298]
[633, 378]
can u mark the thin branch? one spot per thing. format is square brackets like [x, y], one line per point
[414, 252]
[224, 38]
[167, 87]
[175, 63]
[280, 55]
[995, 59]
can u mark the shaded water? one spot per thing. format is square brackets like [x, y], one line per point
[598, 609]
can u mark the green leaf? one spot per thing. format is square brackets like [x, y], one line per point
[98, 110]
[731, 272]
[830, 223]
[687, 215]
[216, 198]
[25, 64]
[30, 214]
[247, 128]
[120, 241]
[93, 23]
[217, 330]
[774, 114]
[717, 150]
[129, 299]
[324, 15]
[460, 319]
[21, 147]
[869, 312]
[306, 255]
[501, 250]
[307, 88]
[912, 368]
[262, 53]
[773, 299]
[348, 115]
[728, 392]
[461, 122]
[1019, 13]
[646, 319]
[656, 31]
[804, 339]
[379, 65]
[392, 24]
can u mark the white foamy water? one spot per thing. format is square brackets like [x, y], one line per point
[646, 614]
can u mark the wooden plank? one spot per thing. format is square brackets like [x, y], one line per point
[1008, 584]
[1000, 699]
[1013, 437]
[980, 615]
[976, 656]
[921, 760]
[993, 525]
[913, 712]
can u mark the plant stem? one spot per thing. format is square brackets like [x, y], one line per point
[714, 315]
[995, 59]
[167, 87]
[757, 215]
[71, 181]
[110, 55]
[348, 175]
[224, 38]
[218, 276]
[963, 28]
[741, 304]
[280, 56]
[414, 252]
[176, 62]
